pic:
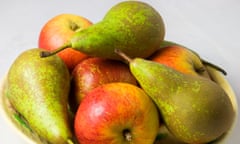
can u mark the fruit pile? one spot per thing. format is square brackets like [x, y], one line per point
[115, 82]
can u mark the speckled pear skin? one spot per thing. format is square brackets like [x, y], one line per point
[134, 27]
[194, 109]
[38, 89]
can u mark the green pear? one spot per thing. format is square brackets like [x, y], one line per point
[38, 89]
[132, 26]
[194, 109]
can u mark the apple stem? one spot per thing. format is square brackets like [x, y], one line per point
[200, 70]
[69, 141]
[214, 66]
[50, 53]
[123, 55]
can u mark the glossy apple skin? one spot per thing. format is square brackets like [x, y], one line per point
[180, 59]
[109, 111]
[57, 31]
[93, 72]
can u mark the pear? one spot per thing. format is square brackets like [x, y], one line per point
[38, 89]
[132, 26]
[195, 109]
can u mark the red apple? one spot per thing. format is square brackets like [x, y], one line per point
[93, 72]
[57, 31]
[181, 59]
[116, 113]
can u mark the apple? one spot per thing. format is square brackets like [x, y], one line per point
[57, 31]
[116, 113]
[95, 71]
[181, 59]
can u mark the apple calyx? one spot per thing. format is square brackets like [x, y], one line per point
[127, 135]
[50, 53]
[74, 27]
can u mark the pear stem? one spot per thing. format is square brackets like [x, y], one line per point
[214, 66]
[50, 53]
[123, 55]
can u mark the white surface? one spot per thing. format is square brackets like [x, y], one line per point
[210, 27]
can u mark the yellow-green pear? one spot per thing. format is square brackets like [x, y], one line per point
[194, 109]
[38, 89]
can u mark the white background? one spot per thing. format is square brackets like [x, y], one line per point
[210, 27]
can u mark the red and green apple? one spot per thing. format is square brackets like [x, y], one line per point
[181, 59]
[57, 31]
[93, 72]
[116, 113]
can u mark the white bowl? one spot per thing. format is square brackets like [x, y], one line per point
[31, 138]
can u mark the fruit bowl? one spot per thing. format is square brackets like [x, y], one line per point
[22, 129]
